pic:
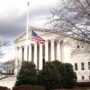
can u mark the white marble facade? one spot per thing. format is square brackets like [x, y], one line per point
[57, 47]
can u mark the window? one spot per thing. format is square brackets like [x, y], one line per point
[82, 77]
[82, 47]
[88, 65]
[89, 77]
[78, 46]
[76, 66]
[82, 66]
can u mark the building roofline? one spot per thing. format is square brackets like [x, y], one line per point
[51, 31]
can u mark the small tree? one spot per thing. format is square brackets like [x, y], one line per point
[27, 74]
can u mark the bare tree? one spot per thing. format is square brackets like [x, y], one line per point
[2, 44]
[2, 53]
[73, 18]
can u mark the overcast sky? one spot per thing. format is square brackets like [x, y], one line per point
[13, 16]
[13, 19]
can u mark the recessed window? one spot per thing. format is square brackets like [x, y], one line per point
[82, 77]
[76, 66]
[82, 66]
[88, 65]
[82, 47]
[89, 77]
[78, 46]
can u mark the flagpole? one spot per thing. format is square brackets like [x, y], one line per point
[27, 31]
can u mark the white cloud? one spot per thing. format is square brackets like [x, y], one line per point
[13, 8]
[9, 53]
[13, 19]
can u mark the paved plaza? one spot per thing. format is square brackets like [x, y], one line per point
[8, 82]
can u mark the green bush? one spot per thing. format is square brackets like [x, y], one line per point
[49, 76]
[57, 75]
[67, 74]
[27, 74]
[69, 77]
[54, 75]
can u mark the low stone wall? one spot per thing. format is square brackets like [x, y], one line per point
[4, 88]
[27, 87]
[74, 89]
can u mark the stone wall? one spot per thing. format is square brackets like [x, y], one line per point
[74, 89]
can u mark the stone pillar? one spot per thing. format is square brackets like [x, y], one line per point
[46, 50]
[62, 51]
[16, 61]
[25, 53]
[55, 49]
[35, 54]
[58, 51]
[19, 58]
[52, 51]
[30, 53]
[20, 53]
[32, 57]
[41, 57]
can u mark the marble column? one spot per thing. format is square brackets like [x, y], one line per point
[26, 53]
[35, 54]
[52, 51]
[58, 51]
[16, 61]
[62, 51]
[30, 52]
[20, 59]
[40, 56]
[20, 54]
[55, 49]
[32, 49]
[46, 50]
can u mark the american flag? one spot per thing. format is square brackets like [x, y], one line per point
[37, 38]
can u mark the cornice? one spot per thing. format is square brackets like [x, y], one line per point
[49, 31]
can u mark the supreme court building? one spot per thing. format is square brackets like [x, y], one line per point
[57, 47]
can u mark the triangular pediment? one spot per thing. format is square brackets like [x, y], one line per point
[44, 33]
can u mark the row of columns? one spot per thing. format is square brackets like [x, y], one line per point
[37, 52]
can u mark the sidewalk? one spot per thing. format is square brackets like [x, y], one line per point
[8, 82]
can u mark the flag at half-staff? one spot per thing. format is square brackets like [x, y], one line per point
[37, 38]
